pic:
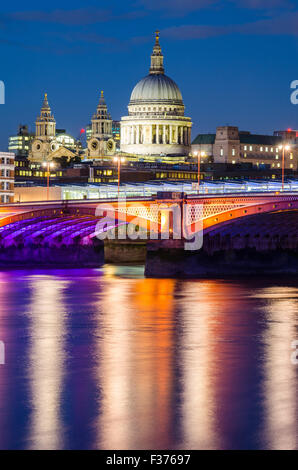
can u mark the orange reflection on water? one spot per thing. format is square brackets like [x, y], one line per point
[136, 363]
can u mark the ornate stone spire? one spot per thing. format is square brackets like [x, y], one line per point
[45, 122]
[102, 101]
[45, 105]
[157, 57]
[45, 112]
[102, 109]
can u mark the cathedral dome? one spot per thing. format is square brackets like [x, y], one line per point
[156, 89]
[156, 124]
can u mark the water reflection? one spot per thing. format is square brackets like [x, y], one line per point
[136, 375]
[108, 359]
[280, 386]
[46, 361]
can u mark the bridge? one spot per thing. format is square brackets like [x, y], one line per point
[37, 231]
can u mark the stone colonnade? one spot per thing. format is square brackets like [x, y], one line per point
[156, 134]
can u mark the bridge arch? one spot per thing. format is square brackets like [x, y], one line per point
[226, 217]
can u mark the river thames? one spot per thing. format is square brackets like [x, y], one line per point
[106, 359]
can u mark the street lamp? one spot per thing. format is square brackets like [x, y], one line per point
[283, 148]
[48, 165]
[198, 155]
[119, 160]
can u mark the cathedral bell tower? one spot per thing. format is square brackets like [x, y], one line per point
[45, 134]
[101, 142]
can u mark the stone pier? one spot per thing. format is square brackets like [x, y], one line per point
[125, 251]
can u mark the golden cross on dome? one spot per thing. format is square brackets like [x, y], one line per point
[157, 35]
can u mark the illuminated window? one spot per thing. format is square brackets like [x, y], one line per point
[261, 149]
[245, 147]
[233, 152]
[266, 149]
[250, 147]
[221, 152]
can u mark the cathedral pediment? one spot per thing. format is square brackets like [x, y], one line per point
[62, 152]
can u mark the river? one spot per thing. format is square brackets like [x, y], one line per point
[107, 359]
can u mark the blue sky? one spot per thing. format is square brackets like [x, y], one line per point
[233, 60]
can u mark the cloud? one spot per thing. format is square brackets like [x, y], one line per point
[183, 7]
[82, 16]
[87, 37]
[186, 32]
[264, 4]
[177, 7]
[285, 24]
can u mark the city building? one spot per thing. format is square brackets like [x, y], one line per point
[20, 144]
[101, 142]
[66, 140]
[6, 177]
[289, 134]
[116, 133]
[229, 145]
[156, 124]
[88, 131]
[148, 188]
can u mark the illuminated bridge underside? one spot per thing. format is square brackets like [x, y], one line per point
[261, 232]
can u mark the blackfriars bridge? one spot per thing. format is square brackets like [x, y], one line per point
[242, 234]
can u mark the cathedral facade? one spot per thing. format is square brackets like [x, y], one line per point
[156, 124]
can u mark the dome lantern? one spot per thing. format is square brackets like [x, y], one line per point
[156, 57]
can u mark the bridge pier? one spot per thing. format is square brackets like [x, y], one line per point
[72, 255]
[238, 258]
[125, 251]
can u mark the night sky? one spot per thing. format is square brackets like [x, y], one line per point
[233, 60]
